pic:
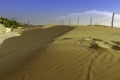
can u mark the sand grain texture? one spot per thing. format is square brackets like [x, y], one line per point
[16, 54]
[84, 53]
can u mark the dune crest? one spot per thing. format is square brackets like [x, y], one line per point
[83, 53]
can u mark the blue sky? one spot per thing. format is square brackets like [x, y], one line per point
[44, 11]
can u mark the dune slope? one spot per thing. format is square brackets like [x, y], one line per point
[85, 53]
[17, 53]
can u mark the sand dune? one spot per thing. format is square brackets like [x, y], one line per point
[84, 53]
[17, 52]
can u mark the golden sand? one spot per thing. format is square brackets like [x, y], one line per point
[84, 53]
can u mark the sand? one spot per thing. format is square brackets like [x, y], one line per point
[83, 53]
[7, 35]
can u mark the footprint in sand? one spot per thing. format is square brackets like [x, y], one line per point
[98, 43]
[116, 45]
[102, 44]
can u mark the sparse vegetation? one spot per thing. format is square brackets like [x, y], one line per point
[11, 23]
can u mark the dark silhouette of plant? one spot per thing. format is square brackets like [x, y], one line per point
[11, 23]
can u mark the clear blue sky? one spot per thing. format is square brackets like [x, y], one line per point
[41, 11]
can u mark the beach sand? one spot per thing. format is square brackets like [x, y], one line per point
[62, 53]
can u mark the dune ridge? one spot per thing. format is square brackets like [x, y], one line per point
[78, 56]
[83, 53]
[16, 52]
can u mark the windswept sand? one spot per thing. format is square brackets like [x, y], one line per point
[8, 35]
[84, 53]
[16, 54]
